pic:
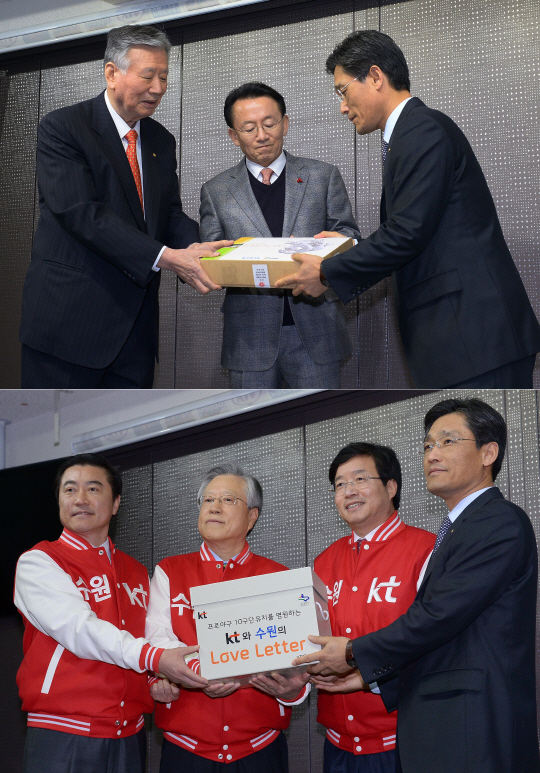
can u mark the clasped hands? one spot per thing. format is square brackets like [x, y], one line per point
[330, 671]
[175, 671]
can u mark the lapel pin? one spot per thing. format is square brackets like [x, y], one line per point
[154, 155]
[299, 180]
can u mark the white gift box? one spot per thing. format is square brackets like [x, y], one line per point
[259, 624]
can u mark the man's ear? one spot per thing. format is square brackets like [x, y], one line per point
[234, 137]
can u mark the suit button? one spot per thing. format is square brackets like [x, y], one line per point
[350, 717]
[229, 756]
[347, 630]
[354, 588]
[117, 722]
[358, 748]
[220, 756]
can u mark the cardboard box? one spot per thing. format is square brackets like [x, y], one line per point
[259, 624]
[259, 262]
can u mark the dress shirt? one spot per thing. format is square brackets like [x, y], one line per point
[277, 166]
[392, 119]
[123, 128]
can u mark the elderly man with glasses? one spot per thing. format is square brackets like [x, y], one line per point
[207, 725]
[459, 665]
[271, 339]
[371, 577]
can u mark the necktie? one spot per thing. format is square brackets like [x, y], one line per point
[384, 149]
[445, 525]
[266, 175]
[131, 153]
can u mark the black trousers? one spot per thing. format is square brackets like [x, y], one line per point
[272, 759]
[339, 761]
[50, 751]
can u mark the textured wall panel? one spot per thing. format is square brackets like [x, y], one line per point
[132, 529]
[19, 98]
[290, 57]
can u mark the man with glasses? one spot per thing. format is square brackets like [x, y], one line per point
[223, 723]
[371, 577]
[459, 665]
[464, 316]
[271, 339]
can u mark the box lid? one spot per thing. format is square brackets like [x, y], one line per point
[257, 585]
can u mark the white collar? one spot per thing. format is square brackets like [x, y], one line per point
[392, 119]
[277, 166]
[460, 507]
[121, 126]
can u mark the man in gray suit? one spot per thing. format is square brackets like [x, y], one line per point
[270, 338]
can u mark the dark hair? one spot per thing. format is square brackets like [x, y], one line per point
[251, 91]
[486, 424]
[361, 50]
[386, 462]
[90, 460]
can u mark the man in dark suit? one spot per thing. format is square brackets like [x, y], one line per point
[269, 338]
[463, 313]
[459, 665]
[110, 220]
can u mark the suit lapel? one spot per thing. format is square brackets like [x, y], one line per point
[294, 191]
[386, 178]
[492, 493]
[241, 190]
[151, 177]
[111, 144]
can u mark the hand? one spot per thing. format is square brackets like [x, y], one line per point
[186, 263]
[307, 279]
[351, 682]
[279, 685]
[164, 691]
[221, 689]
[174, 667]
[331, 658]
[326, 234]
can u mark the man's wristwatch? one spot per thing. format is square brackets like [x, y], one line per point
[349, 656]
[322, 279]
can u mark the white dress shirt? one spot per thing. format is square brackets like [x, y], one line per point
[277, 166]
[123, 128]
[392, 120]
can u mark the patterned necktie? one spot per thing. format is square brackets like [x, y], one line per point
[266, 175]
[131, 153]
[445, 525]
[384, 149]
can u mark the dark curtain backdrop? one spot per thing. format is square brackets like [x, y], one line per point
[479, 62]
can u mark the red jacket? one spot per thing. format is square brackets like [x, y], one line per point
[367, 590]
[220, 729]
[85, 658]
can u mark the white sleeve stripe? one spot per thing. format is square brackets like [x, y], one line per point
[57, 654]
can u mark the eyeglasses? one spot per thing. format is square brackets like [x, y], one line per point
[340, 489]
[228, 501]
[443, 445]
[340, 93]
[267, 126]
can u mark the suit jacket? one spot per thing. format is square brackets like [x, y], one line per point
[461, 305]
[465, 649]
[93, 252]
[252, 317]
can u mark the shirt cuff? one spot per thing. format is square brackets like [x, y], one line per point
[155, 266]
[149, 658]
[300, 698]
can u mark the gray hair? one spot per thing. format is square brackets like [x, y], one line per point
[121, 39]
[253, 488]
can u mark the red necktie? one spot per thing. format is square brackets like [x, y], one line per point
[131, 153]
[266, 175]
